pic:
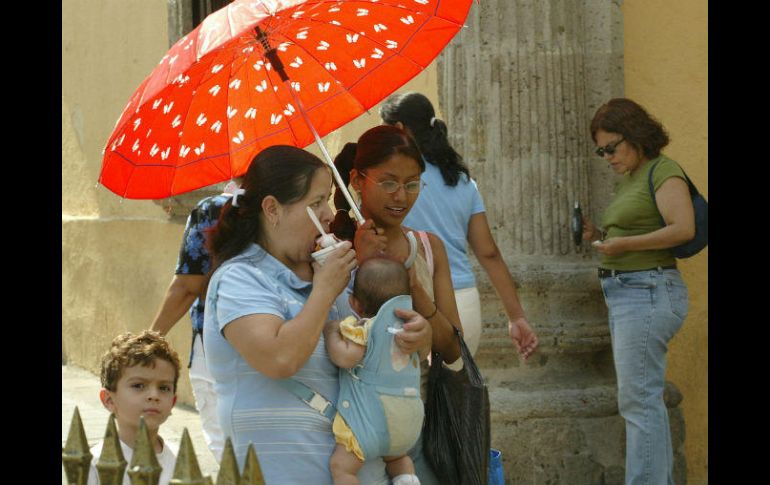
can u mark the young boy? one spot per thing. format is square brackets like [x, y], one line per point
[379, 410]
[139, 377]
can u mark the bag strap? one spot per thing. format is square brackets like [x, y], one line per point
[690, 185]
[309, 396]
[428, 250]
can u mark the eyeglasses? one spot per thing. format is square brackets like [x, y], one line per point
[391, 186]
[610, 148]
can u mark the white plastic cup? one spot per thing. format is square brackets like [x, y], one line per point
[321, 255]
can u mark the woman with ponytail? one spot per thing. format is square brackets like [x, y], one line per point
[384, 168]
[451, 207]
[266, 306]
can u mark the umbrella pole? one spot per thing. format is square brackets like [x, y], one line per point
[272, 55]
[340, 183]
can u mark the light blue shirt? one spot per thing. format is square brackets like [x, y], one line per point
[293, 441]
[446, 211]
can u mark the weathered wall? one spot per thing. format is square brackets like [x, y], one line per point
[118, 255]
[666, 70]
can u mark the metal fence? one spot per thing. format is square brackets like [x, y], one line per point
[144, 468]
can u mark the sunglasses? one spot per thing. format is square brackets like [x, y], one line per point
[391, 186]
[610, 148]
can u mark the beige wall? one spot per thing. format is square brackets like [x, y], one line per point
[666, 70]
[118, 255]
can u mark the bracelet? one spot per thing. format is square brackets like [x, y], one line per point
[435, 310]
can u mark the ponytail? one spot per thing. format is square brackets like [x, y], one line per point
[343, 226]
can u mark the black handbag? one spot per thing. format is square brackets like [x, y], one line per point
[456, 430]
[701, 208]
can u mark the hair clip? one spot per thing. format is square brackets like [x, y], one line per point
[432, 121]
[236, 193]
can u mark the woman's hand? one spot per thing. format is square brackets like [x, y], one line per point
[369, 241]
[334, 274]
[417, 335]
[611, 247]
[523, 337]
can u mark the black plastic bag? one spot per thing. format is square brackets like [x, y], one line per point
[456, 436]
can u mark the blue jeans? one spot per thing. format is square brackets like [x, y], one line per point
[646, 309]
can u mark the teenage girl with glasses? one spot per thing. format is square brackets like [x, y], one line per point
[384, 168]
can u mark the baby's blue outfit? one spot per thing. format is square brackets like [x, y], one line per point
[380, 404]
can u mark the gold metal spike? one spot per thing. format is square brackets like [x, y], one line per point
[75, 455]
[252, 473]
[111, 464]
[144, 468]
[228, 466]
[187, 471]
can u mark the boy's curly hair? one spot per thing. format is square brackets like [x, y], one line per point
[128, 350]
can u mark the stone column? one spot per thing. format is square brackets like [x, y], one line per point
[518, 89]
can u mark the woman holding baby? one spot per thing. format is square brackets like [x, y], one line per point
[268, 302]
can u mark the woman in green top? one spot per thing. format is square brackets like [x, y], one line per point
[644, 292]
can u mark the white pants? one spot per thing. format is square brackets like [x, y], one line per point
[469, 308]
[206, 399]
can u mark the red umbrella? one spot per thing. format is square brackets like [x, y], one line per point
[260, 73]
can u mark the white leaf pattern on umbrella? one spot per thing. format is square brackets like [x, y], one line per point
[231, 112]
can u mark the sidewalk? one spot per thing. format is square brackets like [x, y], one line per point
[81, 388]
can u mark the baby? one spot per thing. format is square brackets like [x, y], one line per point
[379, 410]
